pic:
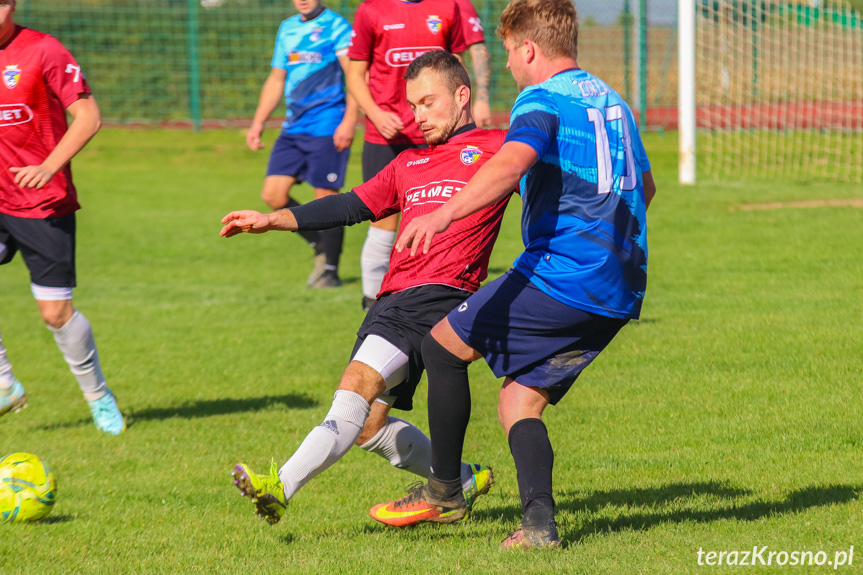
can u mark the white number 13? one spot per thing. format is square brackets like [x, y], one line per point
[604, 173]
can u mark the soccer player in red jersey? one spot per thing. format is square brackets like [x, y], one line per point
[387, 36]
[41, 83]
[386, 362]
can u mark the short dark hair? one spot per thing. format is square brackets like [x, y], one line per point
[451, 71]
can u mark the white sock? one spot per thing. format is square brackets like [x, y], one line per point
[6, 377]
[403, 445]
[76, 343]
[375, 259]
[327, 443]
[408, 448]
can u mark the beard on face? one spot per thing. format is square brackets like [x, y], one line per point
[442, 135]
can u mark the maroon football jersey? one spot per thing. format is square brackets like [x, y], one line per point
[389, 35]
[40, 80]
[419, 181]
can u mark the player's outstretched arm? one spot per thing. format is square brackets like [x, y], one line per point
[86, 121]
[252, 222]
[494, 181]
[322, 214]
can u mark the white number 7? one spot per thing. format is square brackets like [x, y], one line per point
[71, 68]
[604, 174]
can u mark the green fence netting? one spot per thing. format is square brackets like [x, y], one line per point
[204, 61]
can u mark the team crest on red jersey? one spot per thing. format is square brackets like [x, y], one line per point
[11, 76]
[434, 23]
[470, 155]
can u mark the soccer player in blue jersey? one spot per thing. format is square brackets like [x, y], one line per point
[574, 150]
[308, 70]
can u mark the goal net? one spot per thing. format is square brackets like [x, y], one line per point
[779, 90]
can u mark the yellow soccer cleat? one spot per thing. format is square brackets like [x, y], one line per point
[265, 491]
[481, 482]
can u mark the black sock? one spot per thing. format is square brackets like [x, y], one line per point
[449, 408]
[331, 246]
[311, 236]
[534, 459]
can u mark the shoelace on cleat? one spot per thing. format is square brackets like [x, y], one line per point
[415, 494]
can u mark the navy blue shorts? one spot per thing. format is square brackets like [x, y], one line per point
[310, 159]
[527, 335]
[47, 246]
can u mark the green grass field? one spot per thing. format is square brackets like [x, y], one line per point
[728, 417]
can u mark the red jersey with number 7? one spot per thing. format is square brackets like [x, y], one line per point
[418, 182]
[389, 35]
[40, 79]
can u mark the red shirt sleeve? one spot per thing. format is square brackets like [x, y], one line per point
[380, 194]
[470, 22]
[457, 42]
[62, 73]
[362, 36]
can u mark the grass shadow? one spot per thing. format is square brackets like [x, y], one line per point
[728, 508]
[212, 407]
[206, 408]
[656, 506]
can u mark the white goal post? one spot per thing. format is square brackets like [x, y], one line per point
[771, 89]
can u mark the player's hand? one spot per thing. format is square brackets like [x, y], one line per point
[245, 221]
[387, 123]
[253, 137]
[344, 135]
[34, 177]
[420, 231]
[482, 115]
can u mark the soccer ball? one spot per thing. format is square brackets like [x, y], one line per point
[27, 488]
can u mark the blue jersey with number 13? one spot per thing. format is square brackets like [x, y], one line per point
[583, 220]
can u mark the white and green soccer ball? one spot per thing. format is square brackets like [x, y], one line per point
[27, 488]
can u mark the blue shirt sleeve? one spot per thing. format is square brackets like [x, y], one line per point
[341, 35]
[280, 57]
[534, 121]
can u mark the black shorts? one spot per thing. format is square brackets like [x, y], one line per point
[377, 156]
[404, 319]
[47, 246]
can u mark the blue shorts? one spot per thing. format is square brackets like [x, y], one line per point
[527, 335]
[311, 159]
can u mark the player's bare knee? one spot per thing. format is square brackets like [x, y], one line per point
[56, 316]
[363, 380]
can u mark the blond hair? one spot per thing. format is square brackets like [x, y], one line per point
[550, 24]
